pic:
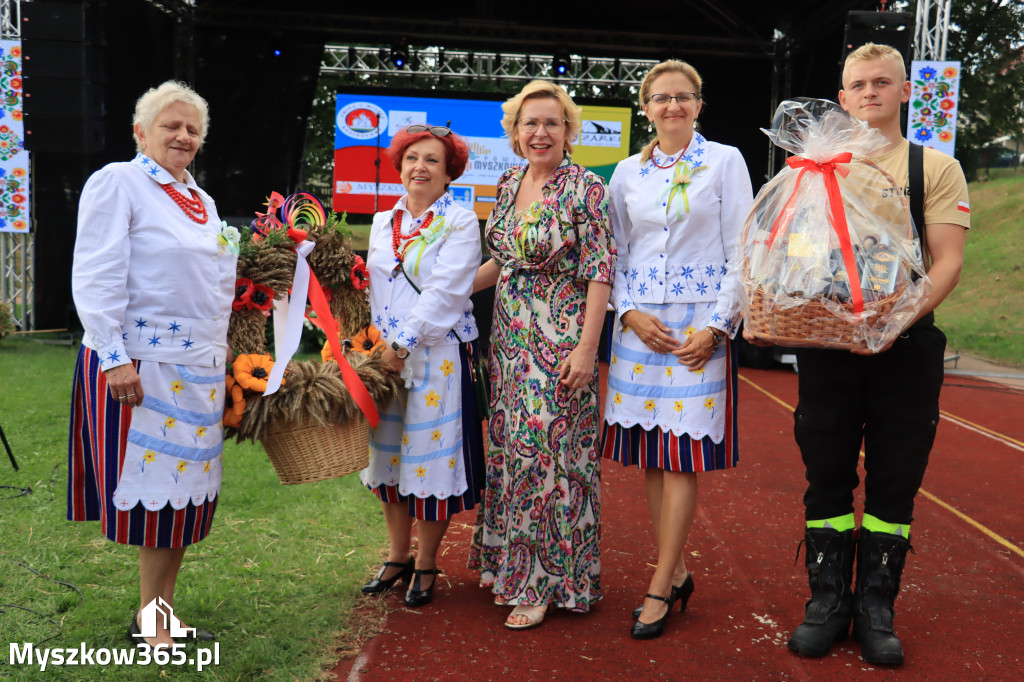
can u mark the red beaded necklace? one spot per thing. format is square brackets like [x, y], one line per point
[396, 232]
[193, 207]
[670, 164]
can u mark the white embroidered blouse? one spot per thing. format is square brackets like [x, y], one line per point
[677, 222]
[442, 261]
[148, 282]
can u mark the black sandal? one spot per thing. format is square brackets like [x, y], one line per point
[417, 597]
[378, 585]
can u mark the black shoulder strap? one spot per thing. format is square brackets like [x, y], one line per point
[915, 167]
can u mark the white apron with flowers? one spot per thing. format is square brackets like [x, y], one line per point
[173, 454]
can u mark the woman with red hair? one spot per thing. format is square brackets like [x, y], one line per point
[422, 258]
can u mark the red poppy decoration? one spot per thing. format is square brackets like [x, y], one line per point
[262, 298]
[360, 276]
[243, 293]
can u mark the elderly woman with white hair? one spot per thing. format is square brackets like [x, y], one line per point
[153, 281]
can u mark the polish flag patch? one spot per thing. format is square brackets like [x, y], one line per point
[963, 206]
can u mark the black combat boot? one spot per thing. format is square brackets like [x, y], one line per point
[829, 558]
[880, 562]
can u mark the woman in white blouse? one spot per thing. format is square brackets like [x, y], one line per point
[153, 279]
[426, 455]
[676, 210]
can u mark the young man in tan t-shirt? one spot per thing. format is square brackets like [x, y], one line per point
[890, 400]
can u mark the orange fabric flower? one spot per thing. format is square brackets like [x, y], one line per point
[367, 340]
[234, 405]
[252, 370]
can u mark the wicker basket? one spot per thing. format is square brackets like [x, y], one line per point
[812, 320]
[307, 451]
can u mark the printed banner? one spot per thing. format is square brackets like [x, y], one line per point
[14, 202]
[934, 94]
[365, 124]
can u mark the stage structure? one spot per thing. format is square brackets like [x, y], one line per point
[17, 249]
[442, 64]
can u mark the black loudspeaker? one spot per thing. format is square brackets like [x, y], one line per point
[64, 81]
[895, 29]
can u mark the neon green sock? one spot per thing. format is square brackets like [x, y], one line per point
[876, 525]
[838, 523]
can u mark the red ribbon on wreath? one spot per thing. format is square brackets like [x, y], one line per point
[326, 321]
[837, 214]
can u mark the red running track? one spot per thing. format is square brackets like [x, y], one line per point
[959, 613]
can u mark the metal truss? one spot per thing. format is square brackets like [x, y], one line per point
[440, 63]
[17, 251]
[932, 33]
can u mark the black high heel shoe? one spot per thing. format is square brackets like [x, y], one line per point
[679, 593]
[378, 584]
[651, 630]
[415, 596]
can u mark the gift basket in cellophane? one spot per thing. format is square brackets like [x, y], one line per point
[312, 418]
[830, 257]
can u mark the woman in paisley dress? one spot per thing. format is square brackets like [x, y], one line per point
[537, 543]
[677, 208]
[426, 455]
[153, 278]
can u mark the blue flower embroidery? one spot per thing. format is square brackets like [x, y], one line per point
[687, 272]
[645, 171]
[927, 73]
[677, 289]
[633, 274]
[113, 356]
[652, 273]
[710, 270]
[154, 340]
[923, 134]
[702, 288]
[643, 288]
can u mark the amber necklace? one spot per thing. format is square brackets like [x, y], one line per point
[193, 207]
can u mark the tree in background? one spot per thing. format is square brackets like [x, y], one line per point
[987, 36]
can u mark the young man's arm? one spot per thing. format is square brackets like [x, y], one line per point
[946, 244]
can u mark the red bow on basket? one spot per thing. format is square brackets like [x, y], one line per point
[837, 214]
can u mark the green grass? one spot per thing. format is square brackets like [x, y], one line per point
[983, 314]
[277, 578]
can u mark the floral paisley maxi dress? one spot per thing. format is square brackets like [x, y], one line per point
[537, 542]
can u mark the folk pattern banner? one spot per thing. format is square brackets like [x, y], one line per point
[14, 185]
[934, 95]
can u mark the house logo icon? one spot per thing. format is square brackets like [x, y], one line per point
[159, 609]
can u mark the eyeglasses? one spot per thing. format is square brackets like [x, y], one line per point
[532, 125]
[436, 131]
[681, 98]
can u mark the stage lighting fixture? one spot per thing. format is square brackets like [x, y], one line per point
[400, 54]
[561, 63]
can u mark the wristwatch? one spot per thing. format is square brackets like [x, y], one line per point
[400, 351]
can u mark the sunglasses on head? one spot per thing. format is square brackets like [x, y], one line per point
[436, 131]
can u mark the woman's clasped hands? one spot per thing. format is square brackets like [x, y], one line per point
[694, 352]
